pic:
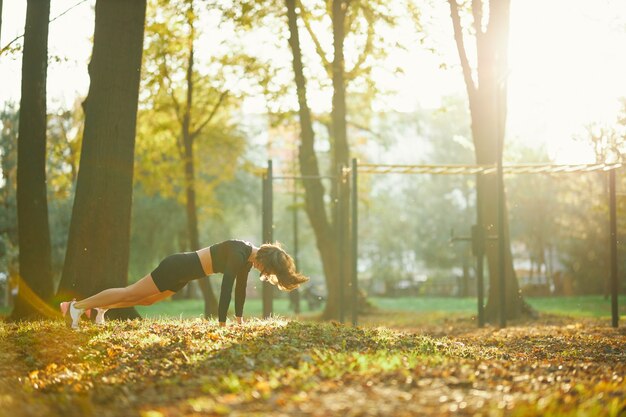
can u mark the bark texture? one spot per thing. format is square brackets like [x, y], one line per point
[487, 92]
[314, 190]
[210, 301]
[36, 286]
[99, 238]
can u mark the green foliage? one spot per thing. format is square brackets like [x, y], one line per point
[562, 222]
[170, 36]
[406, 225]
[158, 230]
[368, 40]
[64, 138]
[255, 61]
[581, 214]
[558, 222]
[608, 139]
[9, 118]
[584, 230]
[62, 158]
[189, 103]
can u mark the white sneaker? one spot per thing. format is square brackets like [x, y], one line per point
[71, 313]
[99, 320]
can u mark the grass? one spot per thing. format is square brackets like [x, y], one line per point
[595, 306]
[436, 362]
[195, 308]
[579, 306]
[169, 367]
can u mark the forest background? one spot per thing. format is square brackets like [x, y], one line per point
[406, 104]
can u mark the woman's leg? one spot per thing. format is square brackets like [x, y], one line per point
[126, 297]
[148, 301]
[144, 301]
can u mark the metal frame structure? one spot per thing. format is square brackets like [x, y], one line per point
[478, 235]
[268, 221]
[484, 169]
[349, 177]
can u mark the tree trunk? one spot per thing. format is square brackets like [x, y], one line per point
[514, 302]
[314, 190]
[210, 301]
[32, 206]
[341, 158]
[338, 116]
[464, 291]
[99, 238]
[1, 20]
[487, 98]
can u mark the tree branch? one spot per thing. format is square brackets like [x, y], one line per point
[364, 128]
[8, 45]
[169, 90]
[367, 49]
[217, 105]
[318, 46]
[166, 83]
[477, 12]
[458, 36]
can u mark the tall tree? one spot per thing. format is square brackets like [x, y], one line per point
[341, 155]
[351, 24]
[186, 147]
[32, 205]
[314, 191]
[98, 244]
[0, 19]
[358, 18]
[189, 111]
[486, 86]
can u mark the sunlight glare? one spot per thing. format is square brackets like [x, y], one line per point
[567, 65]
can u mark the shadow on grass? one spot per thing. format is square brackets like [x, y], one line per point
[190, 367]
[129, 368]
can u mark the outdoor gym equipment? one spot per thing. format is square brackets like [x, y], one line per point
[346, 181]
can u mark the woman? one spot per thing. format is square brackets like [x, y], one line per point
[233, 258]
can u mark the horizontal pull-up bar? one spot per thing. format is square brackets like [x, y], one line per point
[305, 177]
[484, 169]
[352, 219]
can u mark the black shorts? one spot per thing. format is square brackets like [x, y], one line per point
[175, 271]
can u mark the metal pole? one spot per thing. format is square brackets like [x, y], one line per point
[264, 223]
[613, 243]
[500, 193]
[295, 294]
[501, 249]
[479, 251]
[501, 235]
[268, 220]
[340, 242]
[355, 235]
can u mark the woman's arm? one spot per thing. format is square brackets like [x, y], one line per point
[227, 288]
[236, 267]
[240, 291]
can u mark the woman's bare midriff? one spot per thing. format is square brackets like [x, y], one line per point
[205, 259]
